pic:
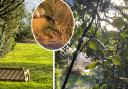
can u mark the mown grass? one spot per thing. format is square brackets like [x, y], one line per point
[31, 56]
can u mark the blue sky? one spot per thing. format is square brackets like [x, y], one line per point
[32, 4]
[70, 1]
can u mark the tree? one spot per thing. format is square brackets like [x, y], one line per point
[24, 31]
[108, 49]
[11, 12]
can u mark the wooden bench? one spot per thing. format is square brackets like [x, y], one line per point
[14, 74]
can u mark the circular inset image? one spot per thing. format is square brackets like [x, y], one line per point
[53, 24]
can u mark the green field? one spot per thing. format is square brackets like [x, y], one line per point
[31, 56]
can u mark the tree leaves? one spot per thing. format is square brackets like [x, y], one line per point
[92, 65]
[124, 35]
[118, 22]
[93, 45]
[96, 86]
[109, 50]
[104, 86]
[96, 44]
[110, 34]
[116, 60]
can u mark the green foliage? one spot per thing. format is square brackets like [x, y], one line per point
[93, 45]
[96, 86]
[92, 65]
[124, 35]
[9, 24]
[60, 61]
[105, 46]
[111, 35]
[58, 74]
[96, 44]
[104, 86]
[24, 31]
[116, 60]
[118, 22]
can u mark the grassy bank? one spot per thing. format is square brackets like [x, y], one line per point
[31, 56]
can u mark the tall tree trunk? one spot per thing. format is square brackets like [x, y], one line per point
[78, 49]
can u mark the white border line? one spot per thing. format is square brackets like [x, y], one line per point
[55, 49]
[53, 70]
[72, 28]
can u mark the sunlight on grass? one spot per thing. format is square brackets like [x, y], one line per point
[31, 56]
[29, 52]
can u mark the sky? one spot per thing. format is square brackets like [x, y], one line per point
[70, 1]
[32, 4]
[118, 2]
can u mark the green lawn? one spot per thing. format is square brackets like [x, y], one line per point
[31, 56]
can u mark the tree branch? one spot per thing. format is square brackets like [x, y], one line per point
[96, 29]
[7, 5]
[4, 13]
[78, 47]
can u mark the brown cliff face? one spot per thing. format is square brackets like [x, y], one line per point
[52, 24]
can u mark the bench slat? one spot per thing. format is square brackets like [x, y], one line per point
[14, 74]
[5, 75]
[18, 75]
[11, 74]
[2, 73]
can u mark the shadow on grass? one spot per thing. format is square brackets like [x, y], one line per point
[40, 73]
